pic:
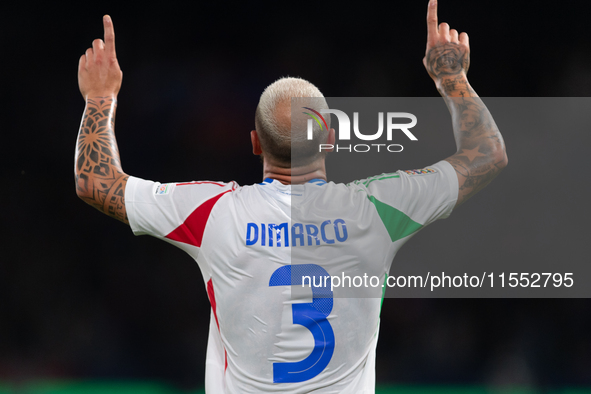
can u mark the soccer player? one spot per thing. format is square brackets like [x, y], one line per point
[255, 244]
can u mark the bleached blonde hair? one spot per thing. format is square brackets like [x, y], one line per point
[281, 125]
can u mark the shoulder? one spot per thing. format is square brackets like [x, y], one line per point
[201, 187]
[158, 208]
[135, 184]
[422, 194]
[401, 178]
[175, 193]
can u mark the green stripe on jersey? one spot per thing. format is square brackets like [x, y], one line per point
[398, 224]
[377, 178]
[383, 291]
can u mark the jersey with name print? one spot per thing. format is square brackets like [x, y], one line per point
[294, 273]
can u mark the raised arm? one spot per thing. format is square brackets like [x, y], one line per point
[481, 151]
[100, 181]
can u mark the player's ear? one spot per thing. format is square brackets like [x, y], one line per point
[330, 139]
[256, 143]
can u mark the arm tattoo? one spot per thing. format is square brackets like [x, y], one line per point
[100, 181]
[447, 59]
[480, 156]
[481, 150]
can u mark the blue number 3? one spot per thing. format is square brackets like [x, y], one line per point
[311, 315]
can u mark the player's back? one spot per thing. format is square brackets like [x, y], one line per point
[271, 249]
[267, 253]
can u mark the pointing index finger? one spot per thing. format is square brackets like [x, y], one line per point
[432, 20]
[109, 35]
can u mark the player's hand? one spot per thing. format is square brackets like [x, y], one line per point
[448, 53]
[98, 70]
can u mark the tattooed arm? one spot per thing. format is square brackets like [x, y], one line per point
[100, 181]
[481, 151]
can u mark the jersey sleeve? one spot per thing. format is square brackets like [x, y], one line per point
[177, 211]
[408, 200]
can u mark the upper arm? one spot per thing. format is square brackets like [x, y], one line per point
[481, 151]
[105, 193]
[475, 170]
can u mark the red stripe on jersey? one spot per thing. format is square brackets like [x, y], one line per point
[200, 183]
[211, 295]
[191, 231]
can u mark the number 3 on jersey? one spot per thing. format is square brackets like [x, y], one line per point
[311, 315]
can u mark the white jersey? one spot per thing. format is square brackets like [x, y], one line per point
[256, 245]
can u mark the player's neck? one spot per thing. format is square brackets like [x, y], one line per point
[294, 175]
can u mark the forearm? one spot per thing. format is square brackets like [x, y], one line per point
[480, 152]
[473, 124]
[100, 181]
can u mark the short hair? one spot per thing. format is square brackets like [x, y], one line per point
[286, 141]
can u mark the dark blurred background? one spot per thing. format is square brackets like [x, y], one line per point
[82, 298]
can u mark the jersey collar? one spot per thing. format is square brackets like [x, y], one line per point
[315, 180]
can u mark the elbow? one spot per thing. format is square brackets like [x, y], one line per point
[81, 195]
[501, 159]
[82, 189]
